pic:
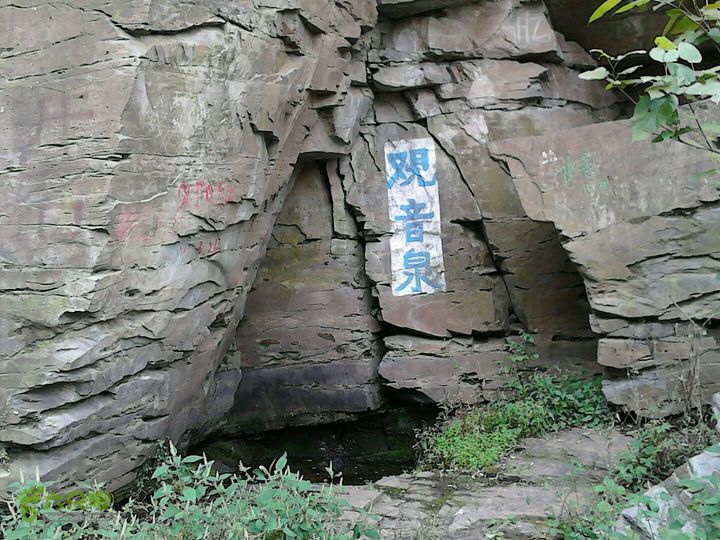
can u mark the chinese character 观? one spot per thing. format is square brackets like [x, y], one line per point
[408, 167]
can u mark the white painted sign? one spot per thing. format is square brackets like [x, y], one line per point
[416, 253]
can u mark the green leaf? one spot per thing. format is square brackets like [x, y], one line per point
[703, 89]
[629, 70]
[665, 44]
[685, 26]
[673, 16]
[662, 55]
[682, 74]
[631, 5]
[689, 53]
[603, 9]
[160, 471]
[189, 493]
[192, 459]
[596, 74]
[281, 463]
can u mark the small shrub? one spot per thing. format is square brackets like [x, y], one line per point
[193, 502]
[521, 351]
[698, 520]
[594, 521]
[657, 450]
[704, 505]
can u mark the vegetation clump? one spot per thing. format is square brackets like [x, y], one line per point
[656, 451]
[533, 403]
[192, 501]
[674, 100]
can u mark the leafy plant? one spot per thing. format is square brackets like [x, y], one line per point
[704, 504]
[193, 501]
[521, 351]
[658, 449]
[594, 521]
[533, 403]
[697, 519]
[685, 76]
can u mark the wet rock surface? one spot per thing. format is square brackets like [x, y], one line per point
[536, 482]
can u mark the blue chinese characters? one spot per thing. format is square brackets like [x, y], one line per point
[414, 211]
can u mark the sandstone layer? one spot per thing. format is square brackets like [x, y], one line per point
[641, 221]
[152, 152]
[147, 148]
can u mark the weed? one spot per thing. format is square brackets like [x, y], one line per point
[192, 501]
[532, 404]
[520, 352]
[658, 449]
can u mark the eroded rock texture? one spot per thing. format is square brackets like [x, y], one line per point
[641, 220]
[307, 342]
[147, 147]
[311, 340]
[461, 77]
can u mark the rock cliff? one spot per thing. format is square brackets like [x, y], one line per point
[641, 220]
[200, 229]
[147, 148]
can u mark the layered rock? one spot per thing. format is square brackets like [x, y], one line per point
[500, 265]
[307, 341]
[147, 148]
[643, 232]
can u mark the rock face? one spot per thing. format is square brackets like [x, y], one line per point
[459, 77]
[152, 153]
[644, 235]
[146, 148]
[308, 334]
[307, 331]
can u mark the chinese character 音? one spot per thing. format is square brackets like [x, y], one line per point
[417, 269]
[413, 218]
[587, 166]
[408, 167]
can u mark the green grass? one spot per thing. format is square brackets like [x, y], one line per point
[533, 404]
